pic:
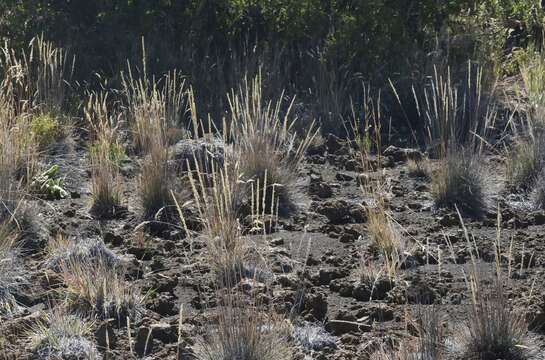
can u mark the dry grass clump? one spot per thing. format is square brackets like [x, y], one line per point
[525, 162]
[268, 151]
[494, 330]
[105, 154]
[385, 238]
[383, 233]
[456, 113]
[459, 184]
[36, 81]
[428, 344]
[532, 72]
[430, 333]
[63, 336]
[153, 106]
[11, 272]
[97, 288]
[39, 75]
[216, 197]
[62, 250]
[244, 332]
[151, 109]
[156, 184]
[539, 192]
[419, 168]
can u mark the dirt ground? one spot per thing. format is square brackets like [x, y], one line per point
[316, 250]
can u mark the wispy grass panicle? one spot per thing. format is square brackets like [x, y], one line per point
[105, 153]
[264, 143]
[456, 113]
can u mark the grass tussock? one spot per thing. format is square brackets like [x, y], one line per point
[63, 336]
[456, 113]
[532, 72]
[153, 107]
[216, 197]
[459, 184]
[494, 328]
[11, 271]
[155, 185]
[243, 332]
[525, 162]
[269, 152]
[105, 154]
[97, 288]
[385, 238]
[419, 168]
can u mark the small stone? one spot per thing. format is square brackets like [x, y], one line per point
[340, 327]
[111, 238]
[343, 177]
[105, 336]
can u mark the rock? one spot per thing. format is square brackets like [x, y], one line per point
[326, 275]
[421, 293]
[352, 165]
[320, 189]
[276, 242]
[449, 220]
[334, 144]
[111, 238]
[343, 177]
[143, 341]
[203, 150]
[340, 212]
[316, 303]
[311, 261]
[147, 336]
[361, 292]
[538, 218]
[377, 312]
[164, 305]
[163, 283]
[400, 154]
[340, 327]
[105, 336]
[164, 332]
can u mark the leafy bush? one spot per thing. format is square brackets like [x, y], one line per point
[50, 184]
[47, 129]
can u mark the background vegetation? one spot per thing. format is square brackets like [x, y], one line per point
[319, 50]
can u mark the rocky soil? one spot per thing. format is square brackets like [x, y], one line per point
[315, 253]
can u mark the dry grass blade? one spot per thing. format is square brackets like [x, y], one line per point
[243, 332]
[215, 196]
[459, 183]
[105, 154]
[456, 114]
[152, 106]
[63, 336]
[97, 288]
[494, 329]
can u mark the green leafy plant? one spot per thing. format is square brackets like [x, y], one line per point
[115, 152]
[47, 129]
[50, 184]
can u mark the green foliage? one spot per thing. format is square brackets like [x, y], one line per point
[50, 184]
[115, 151]
[315, 49]
[46, 129]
